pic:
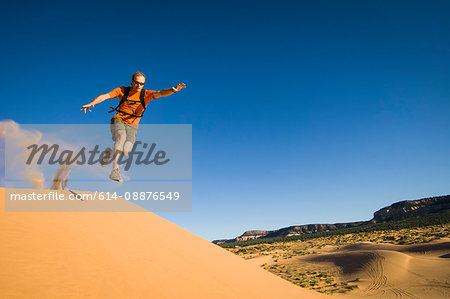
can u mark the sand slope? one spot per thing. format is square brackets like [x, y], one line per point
[393, 271]
[122, 255]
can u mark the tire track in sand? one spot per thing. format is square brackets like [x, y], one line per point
[379, 282]
[376, 273]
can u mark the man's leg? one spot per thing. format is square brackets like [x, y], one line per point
[124, 137]
[116, 153]
[127, 147]
[119, 136]
[130, 139]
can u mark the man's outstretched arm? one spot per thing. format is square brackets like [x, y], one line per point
[168, 91]
[97, 100]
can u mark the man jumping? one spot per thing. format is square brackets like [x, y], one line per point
[124, 124]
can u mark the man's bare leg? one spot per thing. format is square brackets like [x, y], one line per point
[117, 151]
[118, 147]
[127, 147]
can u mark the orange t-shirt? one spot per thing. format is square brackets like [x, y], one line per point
[131, 107]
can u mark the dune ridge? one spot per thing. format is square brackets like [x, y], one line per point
[122, 255]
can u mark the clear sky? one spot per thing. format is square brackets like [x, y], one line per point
[301, 111]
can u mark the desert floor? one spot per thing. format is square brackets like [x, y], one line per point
[407, 263]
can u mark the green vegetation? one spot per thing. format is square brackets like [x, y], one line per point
[319, 281]
[287, 249]
[441, 218]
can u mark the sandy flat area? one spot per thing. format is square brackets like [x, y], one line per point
[122, 255]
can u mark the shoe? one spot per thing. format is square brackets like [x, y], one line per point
[115, 175]
[107, 153]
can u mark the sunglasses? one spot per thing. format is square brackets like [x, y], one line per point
[138, 83]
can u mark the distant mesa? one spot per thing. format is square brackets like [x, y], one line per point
[412, 208]
[398, 211]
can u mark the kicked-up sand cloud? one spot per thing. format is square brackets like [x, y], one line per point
[19, 144]
[18, 139]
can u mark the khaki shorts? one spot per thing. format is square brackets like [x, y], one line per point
[117, 124]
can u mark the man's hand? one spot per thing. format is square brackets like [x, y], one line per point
[86, 107]
[179, 87]
[168, 91]
[96, 101]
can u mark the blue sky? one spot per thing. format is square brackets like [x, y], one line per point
[301, 111]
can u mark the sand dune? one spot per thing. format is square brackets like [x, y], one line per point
[432, 248]
[392, 271]
[122, 255]
[359, 270]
